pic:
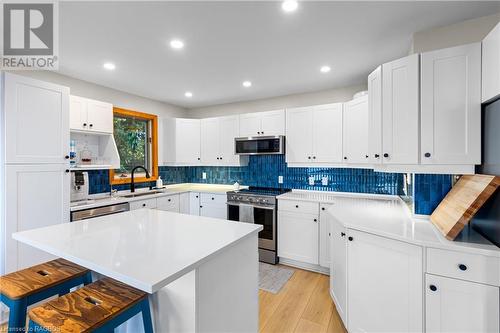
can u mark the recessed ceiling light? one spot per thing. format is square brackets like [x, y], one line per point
[289, 6]
[247, 84]
[325, 69]
[109, 66]
[176, 44]
[188, 94]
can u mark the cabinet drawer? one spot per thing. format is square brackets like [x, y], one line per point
[465, 266]
[147, 203]
[170, 203]
[210, 198]
[303, 207]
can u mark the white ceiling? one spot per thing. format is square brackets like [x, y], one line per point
[229, 42]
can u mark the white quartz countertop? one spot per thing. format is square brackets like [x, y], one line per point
[145, 248]
[388, 216]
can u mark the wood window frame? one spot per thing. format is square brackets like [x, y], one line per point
[154, 147]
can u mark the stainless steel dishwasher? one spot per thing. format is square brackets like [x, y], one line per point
[89, 213]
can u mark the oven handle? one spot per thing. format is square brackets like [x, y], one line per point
[255, 206]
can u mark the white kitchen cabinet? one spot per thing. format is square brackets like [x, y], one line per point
[184, 201]
[144, 203]
[229, 129]
[314, 134]
[384, 284]
[169, 203]
[451, 105]
[213, 205]
[298, 237]
[35, 196]
[262, 123]
[453, 305]
[324, 236]
[90, 115]
[217, 141]
[491, 65]
[194, 203]
[338, 268]
[210, 138]
[375, 116]
[400, 111]
[355, 130]
[36, 121]
[181, 141]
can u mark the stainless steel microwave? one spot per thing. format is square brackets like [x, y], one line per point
[260, 145]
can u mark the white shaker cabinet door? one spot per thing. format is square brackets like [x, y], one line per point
[99, 116]
[355, 141]
[298, 237]
[188, 141]
[324, 236]
[35, 196]
[210, 153]
[273, 123]
[400, 111]
[327, 133]
[451, 105]
[384, 284]
[338, 267]
[250, 124]
[228, 129]
[491, 65]
[375, 116]
[453, 305]
[299, 135]
[194, 203]
[78, 113]
[184, 203]
[36, 121]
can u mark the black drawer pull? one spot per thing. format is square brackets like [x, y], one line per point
[169, 200]
[322, 208]
[427, 154]
[386, 155]
[296, 206]
[462, 267]
[143, 205]
[315, 220]
[433, 287]
[350, 239]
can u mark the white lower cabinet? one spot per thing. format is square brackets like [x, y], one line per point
[146, 203]
[298, 237]
[384, 284]
[453, 305]
[194, 203]
[213, 205]
[338, 267]
[169, 203]
[184, 203]
[324, 236]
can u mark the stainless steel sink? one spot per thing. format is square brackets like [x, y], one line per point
[140, 194]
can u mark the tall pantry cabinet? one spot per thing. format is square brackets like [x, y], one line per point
[35, 175]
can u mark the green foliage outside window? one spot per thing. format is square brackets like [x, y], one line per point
[131, 136]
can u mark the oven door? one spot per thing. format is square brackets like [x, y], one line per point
[263, 215]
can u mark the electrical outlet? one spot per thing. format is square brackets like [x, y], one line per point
[324, 181]
[280, 179]
[311, 180]
[204, 175]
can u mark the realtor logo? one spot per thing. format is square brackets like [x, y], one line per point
[29, 36]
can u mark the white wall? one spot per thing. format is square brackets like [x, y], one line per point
[464, 32]
[116, 97]
[295, 100]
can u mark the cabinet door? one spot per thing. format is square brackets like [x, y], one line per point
[184, 201]
[188, 141]
[460, 306]
[228, 129]
[385, 284]
[324, 236]
[99, 116]
[215, 211]
[356, 131]
[250, 124]
[327, 133]
[299, 135]
[400, 111]
[210, 152]
[451, 105]
[35, 196]
[77, 113]
[168, 203]
[491, 65]
[273, 123]
[194, 203]
[145, 203]
[298, 237]
[338, 268]
[375, 116]
[36, 121]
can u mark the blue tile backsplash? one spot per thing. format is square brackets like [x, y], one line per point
[264, 170]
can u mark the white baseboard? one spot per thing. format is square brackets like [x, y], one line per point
[305, 265]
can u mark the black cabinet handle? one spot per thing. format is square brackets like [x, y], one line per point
[296, 206]
[261, 132]
[386, 155]
[314, 157]
[309, 157]
[366, 156]
[258, 132]
[84, 124]
[196, 197]
[342, 234]
[199, 158]
[433, 287]
[315, 220]
[143, 205]
[201, 206]
[91, 125]
[427, 154]
[322, 208]
[169, 200]
[376, 155]
[462, 267]
[350, 239]
[213, 198]
[67, 170]
[345, 157]
[221, 158]
[66, 157]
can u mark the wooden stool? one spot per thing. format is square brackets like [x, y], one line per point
[31, 285]
[98, 307]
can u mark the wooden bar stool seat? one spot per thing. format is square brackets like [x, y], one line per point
[98, 307]
[31, 285]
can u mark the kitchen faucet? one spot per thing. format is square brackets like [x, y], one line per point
[132, 183]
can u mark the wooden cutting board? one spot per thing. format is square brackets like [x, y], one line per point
[462, 203]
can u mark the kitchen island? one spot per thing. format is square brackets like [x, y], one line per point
[202, 272]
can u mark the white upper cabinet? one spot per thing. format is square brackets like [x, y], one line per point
[262, 123]
[217, 141]
[90, 115]
[375, 116]
[181, 141]
[36, 121]
[400, 111]
[210, 152]
[355, 141]
[314, 134]
[451, 105]
[229, 128]
[491, 65]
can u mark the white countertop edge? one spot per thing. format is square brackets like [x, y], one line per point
[150, 289]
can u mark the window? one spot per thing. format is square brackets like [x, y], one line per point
[136, 139]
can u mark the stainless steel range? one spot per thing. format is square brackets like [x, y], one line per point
[258, 205]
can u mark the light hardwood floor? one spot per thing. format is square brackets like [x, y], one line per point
[303, 305]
